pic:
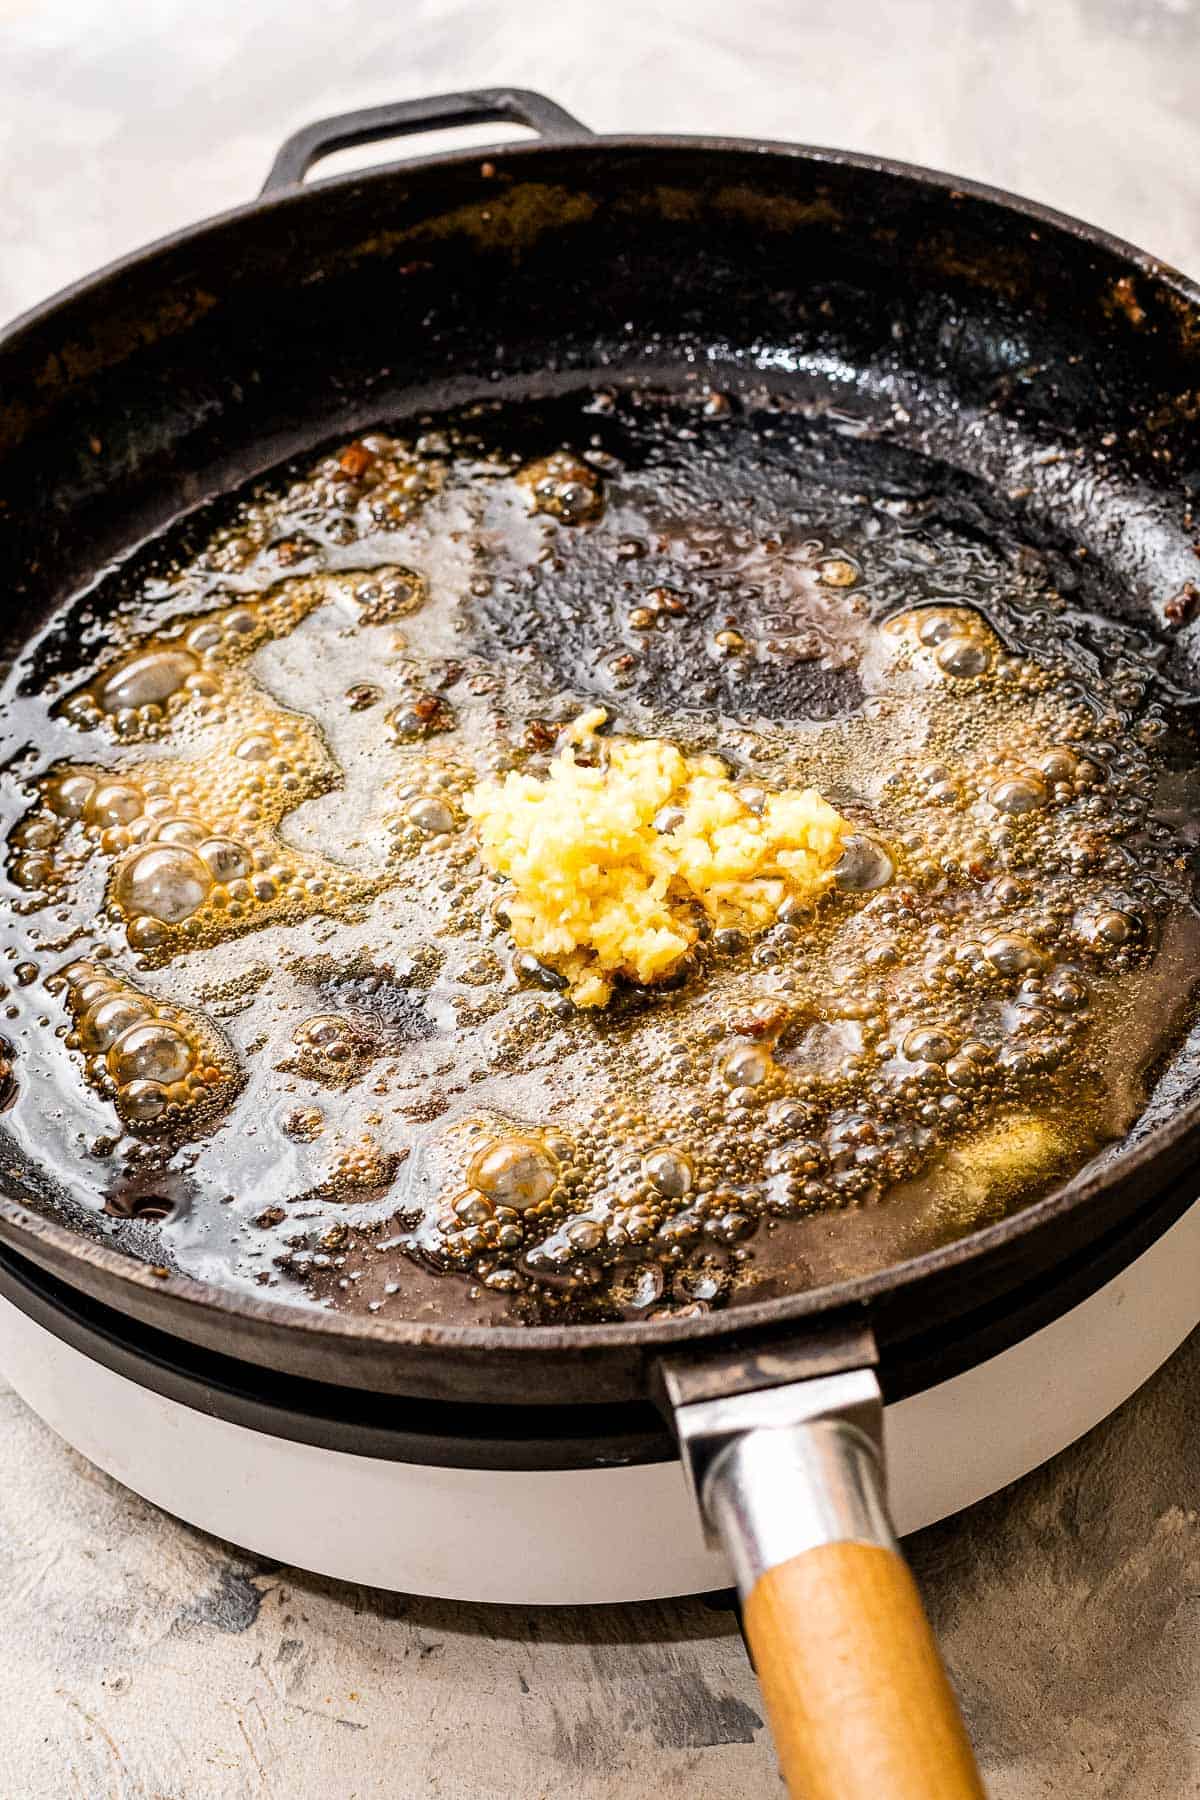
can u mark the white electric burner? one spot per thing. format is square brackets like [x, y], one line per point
[583, 1535]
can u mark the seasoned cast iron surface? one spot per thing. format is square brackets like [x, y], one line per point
[298, 1049]
[1044, 381]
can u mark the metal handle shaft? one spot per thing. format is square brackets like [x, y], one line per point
[790, 1480]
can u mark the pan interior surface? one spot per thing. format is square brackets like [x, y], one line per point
[291, 1043]
[813, 423]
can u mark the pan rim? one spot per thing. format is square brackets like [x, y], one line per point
[1162, 1149]
[944, 181]
[20, 1227]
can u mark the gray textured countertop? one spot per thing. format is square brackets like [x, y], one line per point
[140, 1660]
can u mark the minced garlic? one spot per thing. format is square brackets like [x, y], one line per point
[613, 865]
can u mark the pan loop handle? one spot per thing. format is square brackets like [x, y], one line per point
[482, 106]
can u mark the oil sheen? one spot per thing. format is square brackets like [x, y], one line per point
[265, 1019]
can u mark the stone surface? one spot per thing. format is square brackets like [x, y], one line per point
[140, 1660]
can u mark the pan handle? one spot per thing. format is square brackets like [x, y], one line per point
[790, 1481]
[517, 106]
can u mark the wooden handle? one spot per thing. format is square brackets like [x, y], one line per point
[858, 1699]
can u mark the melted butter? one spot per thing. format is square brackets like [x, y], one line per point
[192, 842]
[162, 1066]
[249, 816]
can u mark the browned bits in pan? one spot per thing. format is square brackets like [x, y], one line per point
[300, 1006]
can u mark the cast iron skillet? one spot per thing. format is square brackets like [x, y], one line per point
[1043, 363]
